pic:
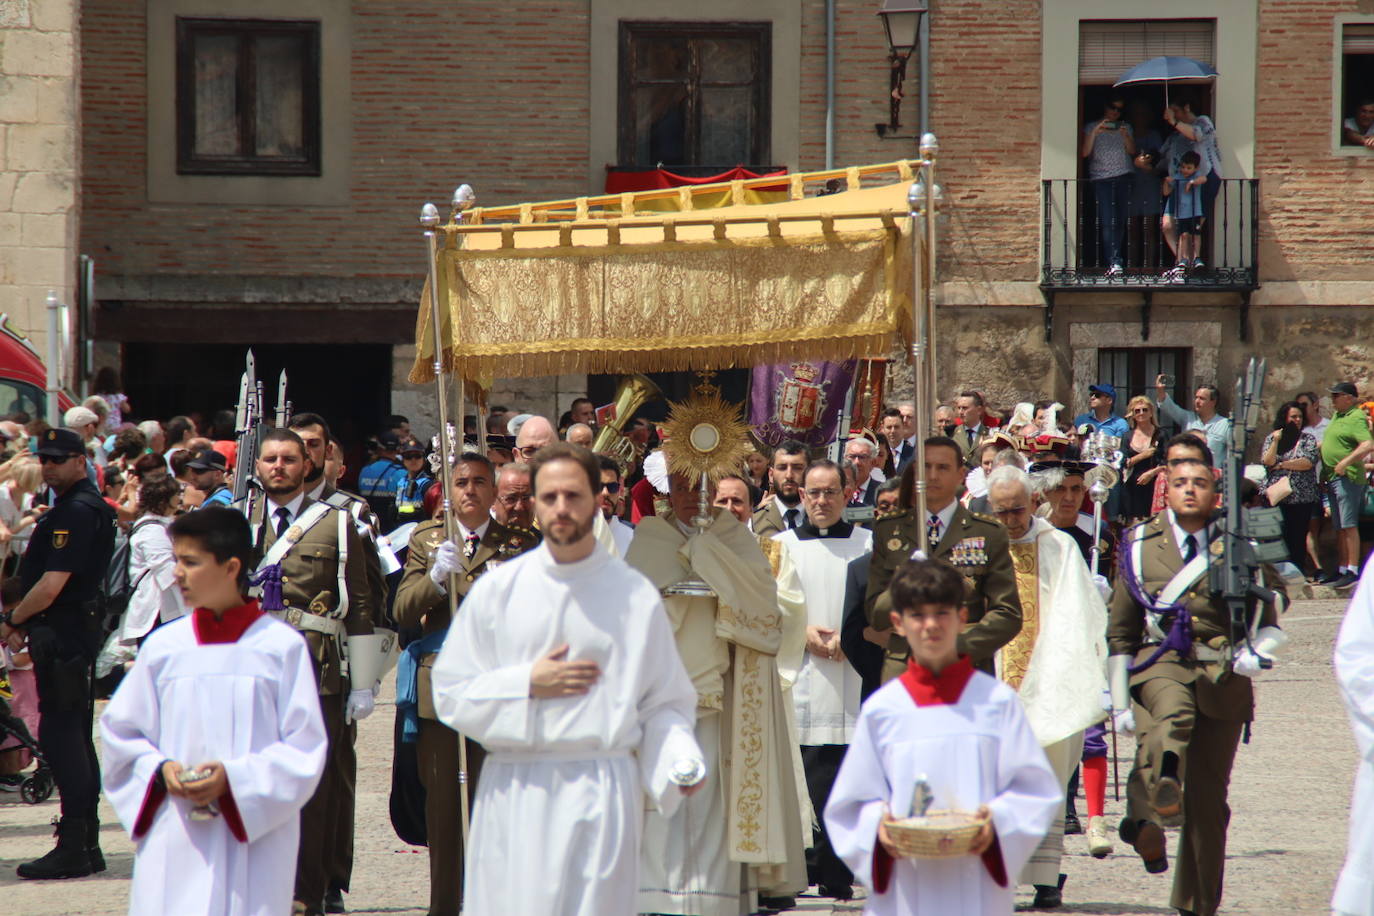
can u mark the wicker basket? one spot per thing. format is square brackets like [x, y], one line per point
[938, 835]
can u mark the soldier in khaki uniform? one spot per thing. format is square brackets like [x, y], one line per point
[422, 599]
[1192, 698]
[314, 432]
[783, 511]
[312, 585]
[976, 545]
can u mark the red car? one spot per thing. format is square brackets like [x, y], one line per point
[23, 377]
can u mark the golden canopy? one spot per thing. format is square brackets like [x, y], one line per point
[668, 279]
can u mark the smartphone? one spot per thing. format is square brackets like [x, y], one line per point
[1112, 125]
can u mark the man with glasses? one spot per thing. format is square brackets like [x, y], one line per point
[1109, 147]
[611, 498]
[1100, 416]
[534, 434]
[514, 505]
[62, 571]
[1344, 447]
[826, 693]
[1060, 677]
[863, 454]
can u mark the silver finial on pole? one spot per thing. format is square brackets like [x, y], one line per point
[429, 216]
[930, 147]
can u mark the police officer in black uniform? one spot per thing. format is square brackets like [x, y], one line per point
[61, 572]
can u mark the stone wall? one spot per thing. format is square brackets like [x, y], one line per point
[39, 158]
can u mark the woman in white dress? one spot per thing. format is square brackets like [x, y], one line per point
[156, 598]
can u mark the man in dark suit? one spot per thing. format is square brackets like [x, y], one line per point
[863, 454]
[862, 645]
[976, 545]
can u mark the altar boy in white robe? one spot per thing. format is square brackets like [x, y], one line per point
[963, 734]
[214, 740]
[562, 665]
[1354, 895]
[826, 693]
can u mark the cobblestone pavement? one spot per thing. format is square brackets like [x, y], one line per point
[1290, 799]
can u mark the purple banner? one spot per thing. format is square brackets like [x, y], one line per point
[801, 400]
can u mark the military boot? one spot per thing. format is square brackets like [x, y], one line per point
[93, 845]
[68, 860]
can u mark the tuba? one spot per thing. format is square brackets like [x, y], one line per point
[633, 393]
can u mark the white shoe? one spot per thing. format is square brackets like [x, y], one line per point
[1115, 271]
[1099, 842]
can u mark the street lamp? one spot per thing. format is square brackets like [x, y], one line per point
[902, 22]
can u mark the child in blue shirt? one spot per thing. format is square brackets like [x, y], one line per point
[1183, 196]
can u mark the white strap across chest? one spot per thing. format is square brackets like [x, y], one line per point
[1175, 588]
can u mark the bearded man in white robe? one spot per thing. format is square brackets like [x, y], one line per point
[1057, 663]
[562, 665]
[743, 830]
[1354, 894]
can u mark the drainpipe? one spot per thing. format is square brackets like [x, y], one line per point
[923, 41]
[830, 84]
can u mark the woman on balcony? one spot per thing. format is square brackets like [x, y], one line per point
[1109, 147]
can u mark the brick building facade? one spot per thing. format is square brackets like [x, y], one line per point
[521, 101]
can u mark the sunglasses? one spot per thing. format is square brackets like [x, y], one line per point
[49, 459]
[408, 455]
[613, 487]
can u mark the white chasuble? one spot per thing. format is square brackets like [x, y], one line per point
[1354, 895]
[970, 742]
[729, 645]
[826, 693]
[247, 699]
[1058, 664]
[565, 779]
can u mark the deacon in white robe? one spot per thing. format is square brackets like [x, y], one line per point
[557, 819]
[240, 690]
[1354, 895]
[743, 832]
[827, 690]
[1058, 662]
[964, 734]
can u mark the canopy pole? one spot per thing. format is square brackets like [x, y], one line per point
[429, 219]
[921, 201]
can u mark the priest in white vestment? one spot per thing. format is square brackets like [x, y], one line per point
[940, 737]
[826, 693]
[1057, 663]
[229, 687]
[1354, 895]
[743, 831]
[562, 665]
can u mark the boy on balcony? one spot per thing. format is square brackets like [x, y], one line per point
[1183, 196]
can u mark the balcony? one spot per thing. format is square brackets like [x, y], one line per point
[1074, 256]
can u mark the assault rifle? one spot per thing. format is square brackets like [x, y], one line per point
[1250, 537]
[249, 421]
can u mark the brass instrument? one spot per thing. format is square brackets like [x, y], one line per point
[633, 393]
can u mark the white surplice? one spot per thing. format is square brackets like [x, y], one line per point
[252, 705]
[560, 805]
[978, 750]
[827, 692]
[1354, 895]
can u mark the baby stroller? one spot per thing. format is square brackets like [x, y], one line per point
[38, 785]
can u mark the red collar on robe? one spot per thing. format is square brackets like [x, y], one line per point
[930, 689]
[227, 627]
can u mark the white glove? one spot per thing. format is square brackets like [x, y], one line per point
[1119, 682]
[1123, 720]
[359, 705]
[1104, 588]
[445, 561]
[1246, 664]
[1266, 644]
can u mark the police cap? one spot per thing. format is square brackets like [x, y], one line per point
[60, 442]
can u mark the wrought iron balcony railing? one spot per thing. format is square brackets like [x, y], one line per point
[1080, 233]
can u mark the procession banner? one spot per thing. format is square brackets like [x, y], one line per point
[801, 400]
